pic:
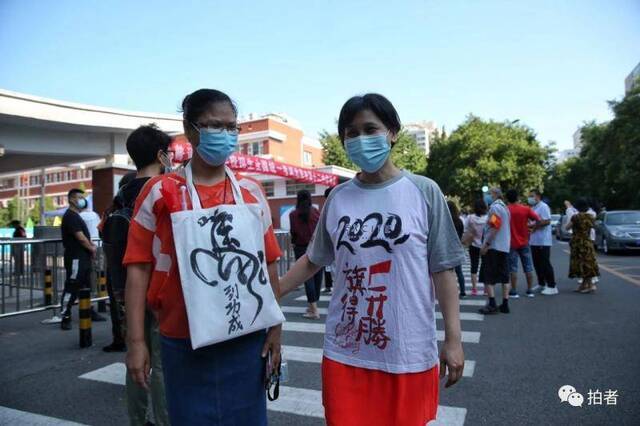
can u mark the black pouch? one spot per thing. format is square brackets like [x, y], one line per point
[272, 381]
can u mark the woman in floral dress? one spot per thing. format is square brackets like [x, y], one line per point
[583, 262]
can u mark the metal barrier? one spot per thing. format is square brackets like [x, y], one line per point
[32, 275]
[288, 258]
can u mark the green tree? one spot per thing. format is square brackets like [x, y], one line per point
[333, 152]
[17, 209]
[4, 217]
[479, 153]
[405, 153]
[34, 214]
[608, 167]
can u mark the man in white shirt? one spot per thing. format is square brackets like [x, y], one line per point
[569, 209]
[91, 219]
[540, 243]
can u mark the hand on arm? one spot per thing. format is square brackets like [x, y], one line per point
[542, 223]
[451, 354]
[138, 360]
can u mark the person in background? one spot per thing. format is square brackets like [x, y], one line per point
[541, 242]
[303, 222]
[113, 265]
[569, 209]
[592, 235]
[394, 246]
[222, 383]
[472, 237]
[495, 253]
[148, 148]
[92, 220]
[521, 217]
[583, 263]
[78, 254]
[459, 225]
[17, 250]
[328, 270]
[18, 229]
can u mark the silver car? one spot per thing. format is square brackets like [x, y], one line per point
[562, 233]
[618, 230]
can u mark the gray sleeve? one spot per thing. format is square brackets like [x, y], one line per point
[320, 251]
[444, 250]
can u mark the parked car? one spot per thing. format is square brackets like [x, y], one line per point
[562, 233]
[555, 221]
[618, 230]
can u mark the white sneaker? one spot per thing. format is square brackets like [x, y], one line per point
[536, 288]
[550, 291]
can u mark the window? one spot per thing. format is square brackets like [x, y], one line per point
[293, 187]
[268, 186]
[307, 158]
[6, 183]
[256, 148]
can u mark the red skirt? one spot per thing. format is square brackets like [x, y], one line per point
[358, 396]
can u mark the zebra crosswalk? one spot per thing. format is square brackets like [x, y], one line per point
[296, 398]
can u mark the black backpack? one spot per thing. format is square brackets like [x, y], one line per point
[114, 239]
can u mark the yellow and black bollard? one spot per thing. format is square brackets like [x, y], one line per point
[48, 288]
[85, 317]
[102, 291]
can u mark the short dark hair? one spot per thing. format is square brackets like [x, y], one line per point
[479, 207]
[328, 191]
[74, 191]
[378, 104]
[537, 192]
[581, 205]
[194, 104]
[144, 143]
[453, 209]
[512, 195]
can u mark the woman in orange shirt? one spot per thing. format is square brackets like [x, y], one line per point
[219, 383]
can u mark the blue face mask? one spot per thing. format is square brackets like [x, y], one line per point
[487, 199]
[368, 152]
[81, 203]
[216, 145]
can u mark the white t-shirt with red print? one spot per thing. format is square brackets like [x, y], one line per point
[386, 239]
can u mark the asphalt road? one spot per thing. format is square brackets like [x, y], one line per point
[521, 360]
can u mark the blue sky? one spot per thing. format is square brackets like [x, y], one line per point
[551, 64]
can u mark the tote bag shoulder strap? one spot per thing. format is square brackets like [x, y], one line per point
[195, 199]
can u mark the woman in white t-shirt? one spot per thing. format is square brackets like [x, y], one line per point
[474, 228]
[394, 245]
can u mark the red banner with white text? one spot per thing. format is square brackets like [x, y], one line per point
[249, 163]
